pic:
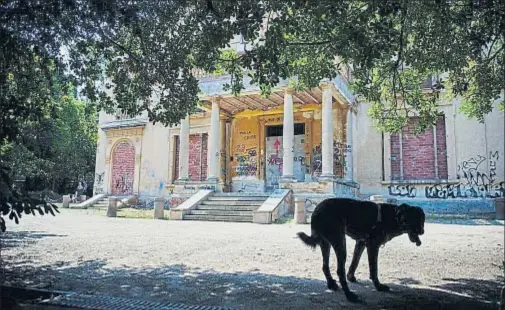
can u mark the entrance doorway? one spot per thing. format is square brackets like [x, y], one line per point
[274, 153]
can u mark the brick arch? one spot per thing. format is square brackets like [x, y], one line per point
[123, 168]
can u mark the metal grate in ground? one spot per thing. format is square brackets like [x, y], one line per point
[101, 302]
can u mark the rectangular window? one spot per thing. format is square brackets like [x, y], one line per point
[277, 130]
[419, 157]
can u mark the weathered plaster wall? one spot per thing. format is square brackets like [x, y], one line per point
[155, 157]
[475, 163]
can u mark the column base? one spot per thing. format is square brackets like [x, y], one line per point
[287, 179]
[326, 178]
[212, 180]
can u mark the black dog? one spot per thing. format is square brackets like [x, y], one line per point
[370, 224]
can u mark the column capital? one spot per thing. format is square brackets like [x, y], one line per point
[289, 90]
[216, 100]
[325, 83]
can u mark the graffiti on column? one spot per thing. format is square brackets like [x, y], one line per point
[99, 183]
[474, 181]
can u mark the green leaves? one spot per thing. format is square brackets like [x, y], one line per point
[13, 202]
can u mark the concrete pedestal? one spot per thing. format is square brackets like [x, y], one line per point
[112, 208]
[159, 212]
[300, 216]
[66, 201]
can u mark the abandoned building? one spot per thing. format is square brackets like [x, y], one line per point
[253, 153]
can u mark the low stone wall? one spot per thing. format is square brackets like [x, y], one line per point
[469, 207]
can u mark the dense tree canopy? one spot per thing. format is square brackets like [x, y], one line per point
[144, 51]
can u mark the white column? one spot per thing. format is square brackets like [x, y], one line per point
[184, 150]
[214, 142]
[348, 139]
[327, 134]
[288, 137]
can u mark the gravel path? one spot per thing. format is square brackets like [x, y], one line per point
[246, 266]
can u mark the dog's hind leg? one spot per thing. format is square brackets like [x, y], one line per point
[338, 243]
[325, 250]
[373, 254]
[358, 250]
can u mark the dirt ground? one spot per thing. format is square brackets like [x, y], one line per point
[246, 266]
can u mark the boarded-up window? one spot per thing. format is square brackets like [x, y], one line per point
[419, 157]
[197, 168]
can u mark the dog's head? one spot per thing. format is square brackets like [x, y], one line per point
[411, 221]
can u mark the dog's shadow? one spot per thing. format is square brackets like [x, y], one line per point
[253, 289]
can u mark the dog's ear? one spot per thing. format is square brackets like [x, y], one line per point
[403, 206]
[400, 212]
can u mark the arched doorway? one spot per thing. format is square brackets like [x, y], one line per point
[123, 168]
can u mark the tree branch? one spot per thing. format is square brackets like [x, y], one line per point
[310, 43]
[124, 49]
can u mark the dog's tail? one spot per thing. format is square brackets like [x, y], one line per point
[311, 241]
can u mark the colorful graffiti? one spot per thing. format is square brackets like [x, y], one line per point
[246, 162]
[473, 181]
[402, 190]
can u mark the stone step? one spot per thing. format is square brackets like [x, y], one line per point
[233, 202]
[229, 218]
[227, 207]
[237, 198]
[221, 212]
[236, 194]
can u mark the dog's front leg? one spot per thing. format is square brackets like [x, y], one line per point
[373, 255]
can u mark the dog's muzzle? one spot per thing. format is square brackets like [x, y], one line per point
[414, 237]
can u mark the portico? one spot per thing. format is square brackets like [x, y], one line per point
[299, 140]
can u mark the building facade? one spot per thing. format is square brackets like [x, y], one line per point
[317, 143]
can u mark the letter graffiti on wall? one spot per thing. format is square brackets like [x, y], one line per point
[473, 181]
[402, 190]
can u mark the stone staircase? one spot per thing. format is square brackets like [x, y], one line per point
[227, 207]
[102, 203]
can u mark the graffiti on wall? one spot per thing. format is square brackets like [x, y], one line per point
[339, 152]
[317, 158]
[153, 185]
[250, 187]
[474, 181]
[247, 163]
[199, 187]
[99, 183]
[402, 190]
[123, 184]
